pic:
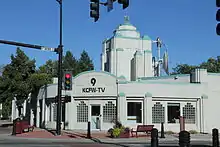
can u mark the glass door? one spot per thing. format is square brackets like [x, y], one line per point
[95, 117]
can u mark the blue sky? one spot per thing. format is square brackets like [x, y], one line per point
[187, 27]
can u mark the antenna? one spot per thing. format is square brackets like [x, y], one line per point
[164, 61]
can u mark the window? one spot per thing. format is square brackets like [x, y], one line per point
[173, 111]
[109, 112]
[82, 112]
[158, 113]
[189, 113]
[134, 109]
[95, 110]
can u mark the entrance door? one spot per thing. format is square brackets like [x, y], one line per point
[95, 117]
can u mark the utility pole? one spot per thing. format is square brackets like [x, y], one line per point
[60, 54]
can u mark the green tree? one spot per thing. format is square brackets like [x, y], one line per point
[183, 69]
[50, 67]
[212, 65]
[85, 63]
[16, 74]
[70, 63]
[20, 79]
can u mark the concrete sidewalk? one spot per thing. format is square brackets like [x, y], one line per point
[76, 136]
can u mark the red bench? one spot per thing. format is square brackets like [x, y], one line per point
[142, 128]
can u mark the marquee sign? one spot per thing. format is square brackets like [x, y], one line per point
[93, 89]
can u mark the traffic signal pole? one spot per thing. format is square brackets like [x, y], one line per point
[60, 54]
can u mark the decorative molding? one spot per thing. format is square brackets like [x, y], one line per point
[148, 94]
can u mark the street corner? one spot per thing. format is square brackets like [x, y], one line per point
[37, 133]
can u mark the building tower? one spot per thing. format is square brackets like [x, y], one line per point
[127, 53]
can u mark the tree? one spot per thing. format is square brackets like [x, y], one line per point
[212, 65]
[70, 63]
[15, 76]
[50, 67]
[85, 63]
[20, 79]
[183, 69]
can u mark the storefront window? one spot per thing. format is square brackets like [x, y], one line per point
[158, 113]
[189, 113]
[82, 112]
[134, 111]
[109, 112]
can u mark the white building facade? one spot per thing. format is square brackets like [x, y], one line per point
[126, 89]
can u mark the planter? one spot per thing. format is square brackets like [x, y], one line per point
[124, 134]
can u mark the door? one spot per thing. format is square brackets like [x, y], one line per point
[95, 117]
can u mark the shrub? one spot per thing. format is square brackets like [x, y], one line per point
[117, 129]
[193, 132]
[116, 132]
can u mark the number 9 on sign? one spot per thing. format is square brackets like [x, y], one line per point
[93, 81]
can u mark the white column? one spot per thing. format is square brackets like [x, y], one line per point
[46, 114]
[24, 107]
[122, 108]
[43, 111]
[13, 110]
[38, 115]
[16, 112]
[148, 108]
[51, 109]
[31, 117]
[203, 127]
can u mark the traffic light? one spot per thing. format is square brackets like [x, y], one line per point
[217, 3]
[67, 81]
[125, 3]
[218, 17]
[94, 9]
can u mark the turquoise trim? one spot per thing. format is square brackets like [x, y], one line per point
[213, 74]
[204, 96]
[122, 77]
[158, 82]
[136, 38]
[202, 68]
[122, 30]
[145, 37]
[137, 53]
[92, 71]
[105, 40]
[148, 94]
[147, 51]
[121, 94]
[119, 49]
[123, 82]
[164, 77]
[119, 36]
[110, 49]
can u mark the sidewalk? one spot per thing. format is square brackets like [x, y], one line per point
[101, 137]
[42, 133]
